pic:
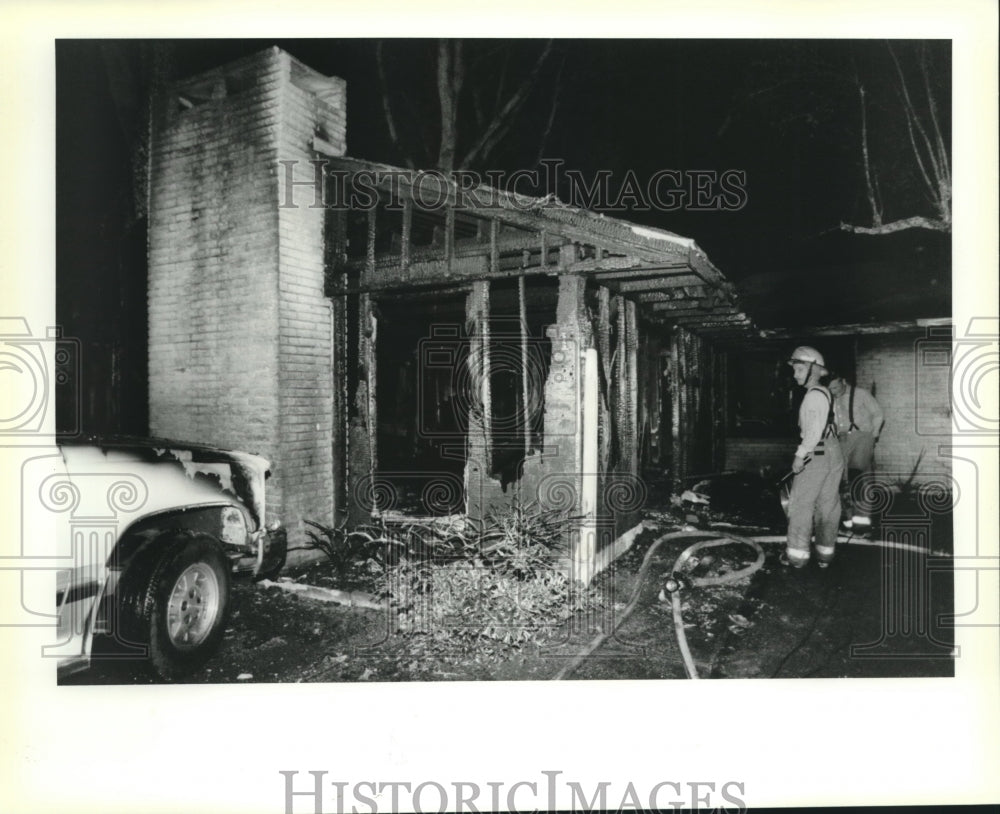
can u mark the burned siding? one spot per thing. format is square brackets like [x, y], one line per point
[697, 386]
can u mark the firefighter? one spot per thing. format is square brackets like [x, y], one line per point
[814, 503]
[859, 423]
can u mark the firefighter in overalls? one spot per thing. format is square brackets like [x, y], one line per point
[814, 502]
[859, 423]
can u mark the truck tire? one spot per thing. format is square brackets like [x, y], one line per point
[183, 612]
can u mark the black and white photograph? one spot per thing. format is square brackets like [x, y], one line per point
[521, 352]
[381, 388]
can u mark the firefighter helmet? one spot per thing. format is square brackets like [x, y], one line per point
[807, 355]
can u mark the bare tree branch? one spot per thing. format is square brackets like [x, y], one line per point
[457, 69]
[447, 100]
[869, 187]
[553, 105]
[502, 82]
[813, 84]
[387, 106]
[501, 122]
[916, 222]
[477, 107]
[913, 121]
[944, 181]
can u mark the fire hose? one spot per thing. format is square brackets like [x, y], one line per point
[678, 581]
[673, 585]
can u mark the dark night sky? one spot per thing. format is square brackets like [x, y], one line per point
[784, 112]
[639, 105]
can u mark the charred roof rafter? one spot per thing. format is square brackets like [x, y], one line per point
[482, 233]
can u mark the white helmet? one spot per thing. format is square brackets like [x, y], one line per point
[807, 355]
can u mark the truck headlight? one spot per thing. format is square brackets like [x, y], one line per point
[234, 527]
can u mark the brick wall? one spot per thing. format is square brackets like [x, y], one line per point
[916, 401]
[305, 329]
[760, 454]
[239, 330]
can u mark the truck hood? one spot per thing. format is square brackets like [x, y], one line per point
[176, 472]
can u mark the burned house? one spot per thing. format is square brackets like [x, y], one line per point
[402, 343]
[396, 342]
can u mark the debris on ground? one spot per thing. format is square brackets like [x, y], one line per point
[727, 495]
[772, 623]
[352, 599]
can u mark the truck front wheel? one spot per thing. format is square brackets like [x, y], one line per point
[186, 605]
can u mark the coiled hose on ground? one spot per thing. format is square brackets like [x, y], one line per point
[674, 583]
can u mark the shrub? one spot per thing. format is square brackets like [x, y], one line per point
[489, 587]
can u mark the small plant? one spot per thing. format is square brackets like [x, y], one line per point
[905, 487]
[489, 587]
[345, 548]
[384, 544]
[527, 535]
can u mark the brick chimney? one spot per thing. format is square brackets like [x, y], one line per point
[240, 332]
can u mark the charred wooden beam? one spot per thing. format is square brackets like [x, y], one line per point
[615, 268]
[522, 313]
[370, 244]
[507, 245]
[481, 412]
[903, 326]
[426, 293]
[465, 272]
[524, 211]
[407, 237]
[672, 295]
[449, 237]
[652, 284]
[678, 312]
[494, 246]
[715, 319]
[632, 350]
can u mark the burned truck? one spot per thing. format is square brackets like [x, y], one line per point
[151, 533]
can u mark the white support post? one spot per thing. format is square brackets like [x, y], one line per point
[585, 555]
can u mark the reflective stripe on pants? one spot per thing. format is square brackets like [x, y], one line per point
[814, 505]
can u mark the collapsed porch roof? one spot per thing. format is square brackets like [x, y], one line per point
[484, 233]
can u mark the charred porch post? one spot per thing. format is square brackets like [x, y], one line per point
[563, 485]
[362, 466]
[477, 377]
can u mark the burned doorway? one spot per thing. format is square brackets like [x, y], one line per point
[422, 417]
[521, 310]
